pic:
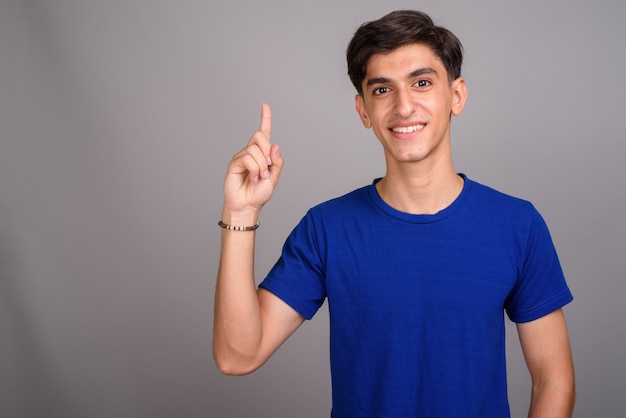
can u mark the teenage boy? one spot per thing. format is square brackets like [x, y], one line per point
[418, 267]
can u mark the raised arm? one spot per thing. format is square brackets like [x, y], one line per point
[249, 325]
[546, 348]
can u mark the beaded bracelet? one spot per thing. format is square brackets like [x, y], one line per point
[239, 228]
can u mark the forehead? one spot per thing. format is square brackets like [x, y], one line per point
[402, 61]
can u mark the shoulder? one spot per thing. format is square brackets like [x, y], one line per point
[493, 209]
[354, 200]
[345, 211]
[494, 201]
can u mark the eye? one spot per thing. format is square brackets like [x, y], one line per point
[422, 83]
[380, 90]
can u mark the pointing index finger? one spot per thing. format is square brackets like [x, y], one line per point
[266, 120]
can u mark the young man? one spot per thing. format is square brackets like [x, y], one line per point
[418, 267]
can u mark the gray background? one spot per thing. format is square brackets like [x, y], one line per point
[118, 118]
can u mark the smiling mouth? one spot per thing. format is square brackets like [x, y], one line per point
[408, 129]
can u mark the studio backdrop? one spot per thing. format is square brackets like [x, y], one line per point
[117, 122]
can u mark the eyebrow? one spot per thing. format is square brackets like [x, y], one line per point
[413, 74]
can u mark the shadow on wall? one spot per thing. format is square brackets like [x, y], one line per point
[27, 384]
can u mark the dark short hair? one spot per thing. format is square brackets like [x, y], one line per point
[396, 29]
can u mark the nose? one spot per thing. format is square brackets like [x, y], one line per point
[405, 104]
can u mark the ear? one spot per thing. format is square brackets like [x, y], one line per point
[459, 96]
[360, 109]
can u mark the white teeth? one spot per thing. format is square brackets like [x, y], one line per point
[408, 129]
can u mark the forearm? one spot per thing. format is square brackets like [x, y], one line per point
[546, 348]
[553, 399]
[237, 322]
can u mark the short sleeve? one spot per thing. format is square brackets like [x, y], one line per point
[540, 287]
[298, 276]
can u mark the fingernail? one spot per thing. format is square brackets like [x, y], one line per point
[269, 160]
[266, 174]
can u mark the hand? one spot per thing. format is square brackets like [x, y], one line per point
[253, 173]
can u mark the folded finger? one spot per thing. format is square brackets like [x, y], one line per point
[252, 160]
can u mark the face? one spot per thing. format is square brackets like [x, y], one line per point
[408, 102]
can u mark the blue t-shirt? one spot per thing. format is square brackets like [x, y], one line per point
[417, 302]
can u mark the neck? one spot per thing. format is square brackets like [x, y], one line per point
[420, 190]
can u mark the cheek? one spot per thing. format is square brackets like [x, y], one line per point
[378, 115]
[378, 131]
[439, 109]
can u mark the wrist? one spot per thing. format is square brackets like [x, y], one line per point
[239, 227]
[240, 218]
